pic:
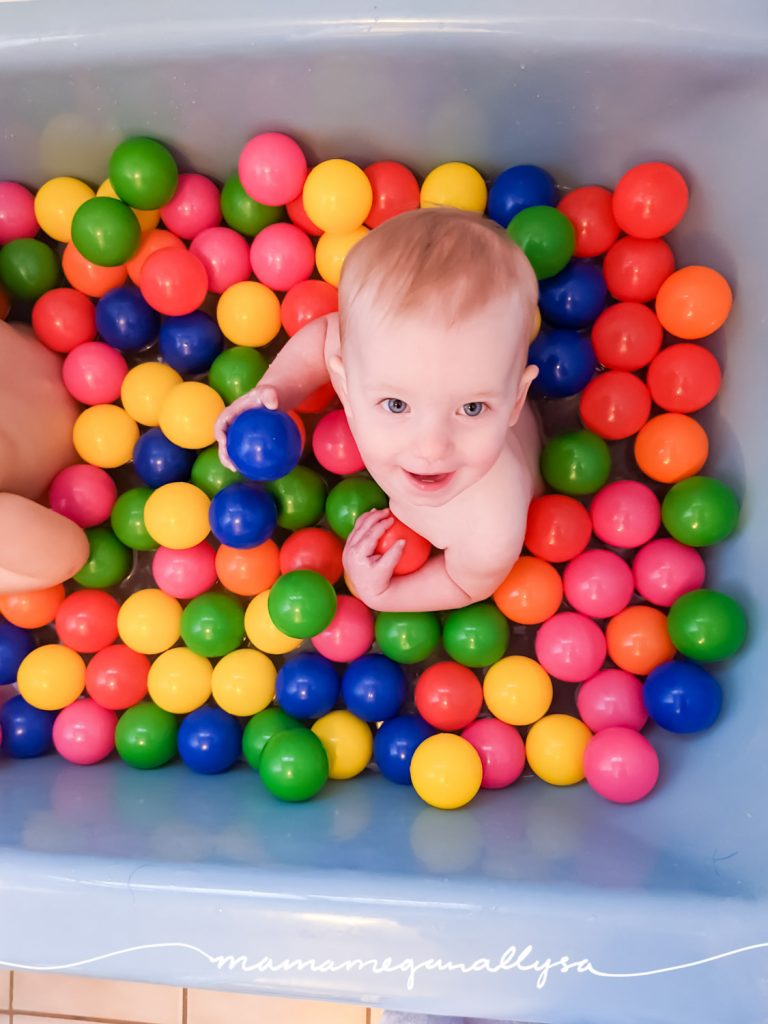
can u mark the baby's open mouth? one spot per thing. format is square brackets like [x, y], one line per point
[428, 481]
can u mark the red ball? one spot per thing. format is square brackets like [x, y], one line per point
[64, 318]
[626, 336]
[415, 553]
[448, 696]
[318, 401]
[298, 215]
[305, 302]
[315, 549]
[334, 446]
[86, 620]
[116, 677]
[615, 405]
[558, 528]
[173, 281]
[635, 268]
[684, 378]
[650, 200]
[395, 190]
[590, 211]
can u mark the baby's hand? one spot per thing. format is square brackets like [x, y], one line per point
[263, 396]
[370, 574]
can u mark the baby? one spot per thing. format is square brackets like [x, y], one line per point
[428, 355]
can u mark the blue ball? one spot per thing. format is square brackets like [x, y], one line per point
[15, 645]
[682, 697]
[395, 744]
[575, 297]
[307, 686]
[190, 343]
[566, 362]
[209, 740]
[264, 444]
[27, 731]
[159, 461]
[242, 516]
[374, 687]
[125, 321]
[516, 189]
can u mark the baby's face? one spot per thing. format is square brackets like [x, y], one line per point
[430, 405]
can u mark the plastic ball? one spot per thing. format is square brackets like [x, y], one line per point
[193, 207]
[188, 413]
[566, 363]
[615, 405]
[93, 373]
[127, 519]
[517, 188]
[88, 277]
[143, 173]
[85, 494]
[313, 548]
[319, 400]
[705, 625]
[84, 732]
[636, 268]
[610, 698]
[571, 647]
[665, 569]
[185, 573]
[263, 444]
[149, 621]
[349, 499]
[63, 319]
[407, 637]
[555, 748]
[51, 677]
[684, 378]
[86, 620]
[501, 751]
[639, 640]
[306, 301]
[621, 765]
[650, 200]
[415, 553]
[28, 268]
[109, 560]
[104, 436]
[671, 447]
[475, 636]
[248, 314]
[700, 511]
[350, 632]
[272, 168]
[144, 390]
[625, 514]
[590, 210]
[148, 219]
[334, 446]
[446, 771]
[576, 463]
[448, 696]
[395, 190]
[145, 736]
[294, 765]
[243, 213]
[261, 630]
[598, 583]
[150, 243]
[693, 302]
[179, 680]
[395, 744]
[173, 281]
[116, 677]
[242, 516]
[531, 592]
[374, 687]
[105, 231]
[281, 256]
[243, 682]
[17, 212]
[125, 321]
[26, 731]
[176, 515]
[236, 371]
[210, 475]
[209, 741]
[248, 571]
[302, 603]
[298, 215]
[547, 238]
[454, 184]
[260, 730]
[575, 297]
[190, 343]
[337, 196]
[31, 609]
[626, 336]
[307, 686]
[212, 625]
[225, 254]
[332, 250]
[348, 743]
[159, 461]
[558, 528]
[682, 697]
[15, 645]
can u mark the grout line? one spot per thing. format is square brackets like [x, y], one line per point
[10, 996]
[184, 1005]
[367, 1015]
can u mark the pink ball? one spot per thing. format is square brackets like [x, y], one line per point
[225, 255]
[93, 372]
[598, 583]
[187, 572]
[612, 697]
[83, 493]
[350, 632]
[84, 732]
[272, 168]
[501, 751]
[570, 647]
[195, 206]
[621, 765]
[665, 569]
[625, 514]
[17, 212]
[334, 446]
[282, 255]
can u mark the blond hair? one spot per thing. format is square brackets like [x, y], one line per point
[449, 261]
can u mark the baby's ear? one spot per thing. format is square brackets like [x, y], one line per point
[529, 375]
[338, 379]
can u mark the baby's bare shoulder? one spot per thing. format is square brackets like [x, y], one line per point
[332, 337]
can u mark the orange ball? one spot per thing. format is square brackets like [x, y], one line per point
[531, 593]
[87, 277]
[151, 241]
[299, 426]
[671, 447]
[31, 609]
[638, 639]
[693, 302]
[248, 571]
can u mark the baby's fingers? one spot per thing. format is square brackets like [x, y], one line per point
[388, 561]
[369, 529]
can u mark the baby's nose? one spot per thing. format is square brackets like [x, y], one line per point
[433, 442]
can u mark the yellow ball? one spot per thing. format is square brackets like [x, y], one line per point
[145, 388]
[446, 771]
[331, 252]
[455, 184]
[179, 681]
[104, 435]
[517, 690]
[244, 682]
[337, 196]
[555, 749]
[57, 202]
[261, 630]
[348, 742]
[148, 219]
[149, 621]
[248, 314]
[189, 412]
[176, 515]
[51, 677]
[536, 324]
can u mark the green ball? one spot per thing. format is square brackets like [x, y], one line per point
[300, 496]
[243, 213]
[212, 625]
[349, 499]
[210, 475]
[476, 636]
[294, 765]
[407, 637]
[127, 519]
[546, 236]
[705, 625]
[301, 603]
[236, 371]
[143, 173]
[105, 231]
[260, 730]
[109, 560]
[700, 511]
[576, 463]
[28, 268]
[145, 736]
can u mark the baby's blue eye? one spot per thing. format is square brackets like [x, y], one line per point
[473, 408]
[396, 405]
